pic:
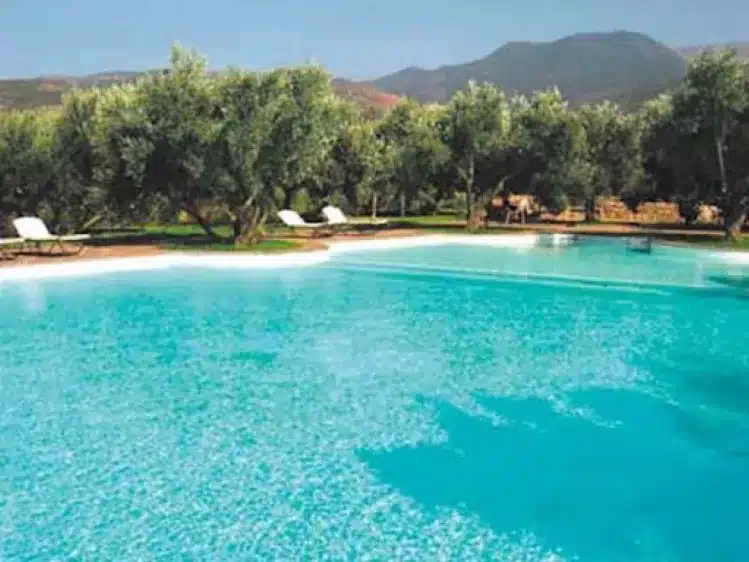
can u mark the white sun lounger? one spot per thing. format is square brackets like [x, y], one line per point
[294, 221]
[5, 243]
[33, 231]
[335, 217]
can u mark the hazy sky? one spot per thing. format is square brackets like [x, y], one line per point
[352, 38]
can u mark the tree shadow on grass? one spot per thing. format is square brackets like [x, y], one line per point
[186, 237]
[136, 237]
[639, 490]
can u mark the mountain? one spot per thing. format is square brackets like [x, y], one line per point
[48, 90]
[369, 97]
[621, 66]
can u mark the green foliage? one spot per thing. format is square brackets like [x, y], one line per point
[247, 109]
[476, 128]
[27, 165]
[241, 145]
[79, 202]
[612, 153]
[552, 149]
[348, 177]
[409, 131]
[698, 148]
[175, 129]
[275, 135]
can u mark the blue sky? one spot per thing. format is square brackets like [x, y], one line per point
[352, 38]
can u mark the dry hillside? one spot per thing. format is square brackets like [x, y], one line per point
[48, 91]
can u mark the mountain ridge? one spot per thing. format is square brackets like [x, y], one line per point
[621, 66]
[586, 67]
[48, 90]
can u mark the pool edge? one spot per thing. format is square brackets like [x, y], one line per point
[497, 240]
[242, 261]
[162, 261]
[99, 266]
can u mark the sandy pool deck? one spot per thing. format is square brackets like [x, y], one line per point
[111, 258]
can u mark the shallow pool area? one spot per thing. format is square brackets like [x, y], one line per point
[591, 260]
[445, 402]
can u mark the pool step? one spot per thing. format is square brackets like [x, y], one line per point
[641, 244]
[558, 239]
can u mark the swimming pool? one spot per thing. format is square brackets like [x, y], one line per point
[450, 402]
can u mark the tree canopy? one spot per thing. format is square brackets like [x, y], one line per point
[236, 146]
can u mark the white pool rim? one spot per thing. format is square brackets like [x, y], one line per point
[99, 266]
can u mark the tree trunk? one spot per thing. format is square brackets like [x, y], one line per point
[236, 226]
[506, 207]
[734, 223]
[590, 209]
[90, 223]
[200, 219]
[374, 205]
[721, 164]
[244, 233]
[469, 189]
[246, 226]
[689, 210]
[403, 205]
[288, 198]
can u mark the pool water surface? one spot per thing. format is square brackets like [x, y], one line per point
[442, 403]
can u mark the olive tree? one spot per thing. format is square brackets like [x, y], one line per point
[274, 133]
[711, 122]
[355, 167]
[80, 201]
[475, 127]
[27, 164]
[553, 148]
[409, 131]
[612, 151]
[175, 132]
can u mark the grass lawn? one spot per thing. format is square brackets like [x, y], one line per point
[712, 242]
[187, 237]
[262, 247]
[430, 220]
[445, 224]
[185, 230]
[741, 244]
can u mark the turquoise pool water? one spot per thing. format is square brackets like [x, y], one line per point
[421, 404]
